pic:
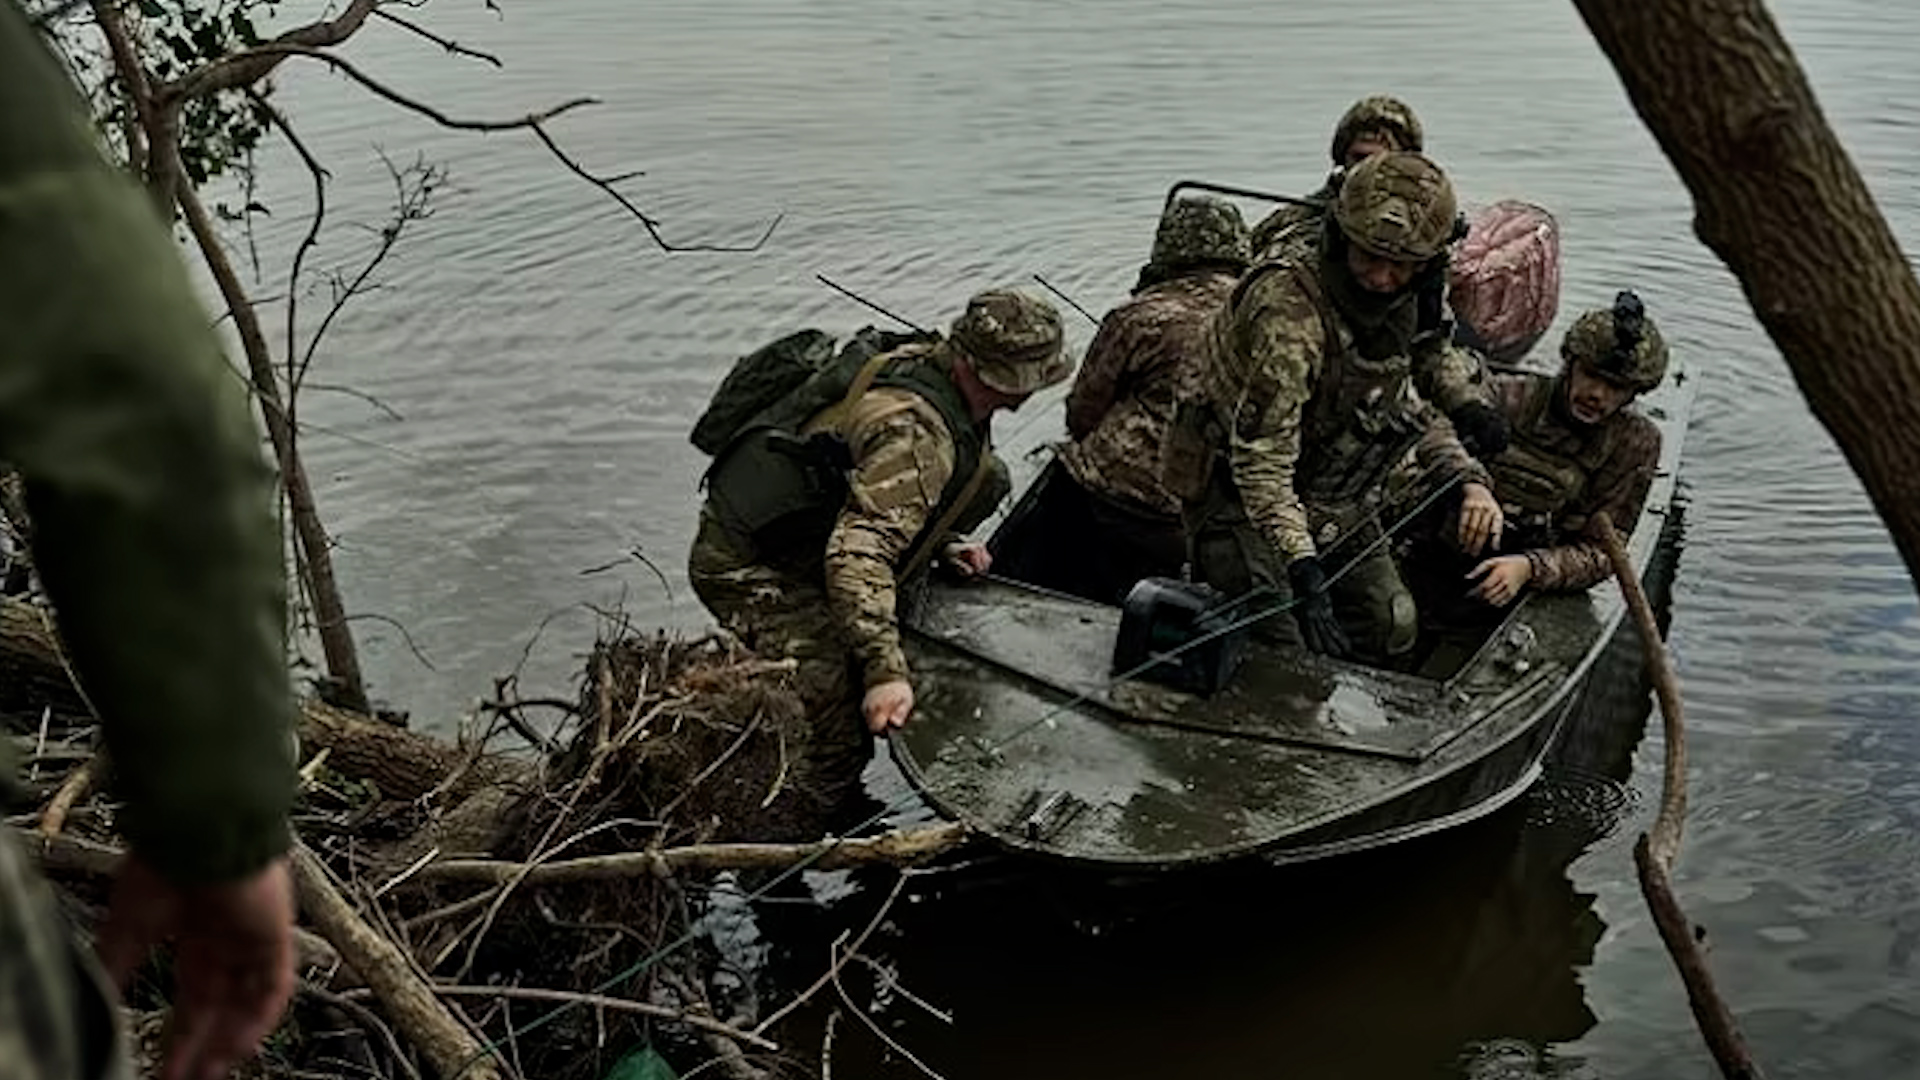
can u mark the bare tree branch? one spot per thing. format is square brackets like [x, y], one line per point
[336, 640]
[448, 44]
[414, 188]
[652, 226]
[336, 388]
[307, 242]
[533, 122]
[404, 636]
[249, 66]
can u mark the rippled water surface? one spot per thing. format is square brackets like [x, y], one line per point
[545, 362]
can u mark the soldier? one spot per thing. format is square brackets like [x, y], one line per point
[154, 539]
[1578, 448]
[1370, 126]
[1309, 399]
[1453, 378]
[808, 568]
[1103, 519]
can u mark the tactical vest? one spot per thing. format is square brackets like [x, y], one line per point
[1363, 416]
[778, 491]
[1547, 465]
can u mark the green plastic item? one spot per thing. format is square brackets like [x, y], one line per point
[643, 1063]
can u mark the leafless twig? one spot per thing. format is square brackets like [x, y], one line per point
[397, 625]
[860, 1014]
[367, 1018]
[601, 1001]
[335, 388]
[452, 47]
[838, 958]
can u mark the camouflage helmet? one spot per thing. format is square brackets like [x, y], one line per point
[1397, 205]
[1620, 344]
[1201, 229]
[1380, 115]
[1013, 341]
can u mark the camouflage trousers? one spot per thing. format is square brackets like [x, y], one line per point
[57, 1019]
[1371, 600]
[783, 617]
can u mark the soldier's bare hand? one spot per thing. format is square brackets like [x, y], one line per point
[969, 560]
[1501, 579]
[887, 705]
[233, 959]
[1481, 519]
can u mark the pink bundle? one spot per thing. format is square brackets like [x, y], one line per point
[1504, 283]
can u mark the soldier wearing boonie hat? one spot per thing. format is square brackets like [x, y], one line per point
[809, 570]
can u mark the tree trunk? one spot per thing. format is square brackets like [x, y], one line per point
[1777, 198]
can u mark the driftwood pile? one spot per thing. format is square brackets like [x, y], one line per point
[476, 913]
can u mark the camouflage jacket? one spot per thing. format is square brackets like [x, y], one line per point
[151, 505]
[903, 457]
[1293, 229]
[1145, 356]
[1556, 475]
[1290, 427]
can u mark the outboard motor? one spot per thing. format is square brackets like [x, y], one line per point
[1165, 615]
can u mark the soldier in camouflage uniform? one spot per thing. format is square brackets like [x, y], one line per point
[154, 539]
[1578, 448]
[1103, 519]
[1370, 126]
[1311, 396]
[1452, 377]
[914, 442]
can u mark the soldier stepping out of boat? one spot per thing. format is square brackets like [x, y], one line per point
[805, 562]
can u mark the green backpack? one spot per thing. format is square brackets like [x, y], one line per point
[785, 381]
[758, 380]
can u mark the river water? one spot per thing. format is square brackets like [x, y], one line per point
[545, 362]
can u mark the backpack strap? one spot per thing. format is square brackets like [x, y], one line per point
[923, 549]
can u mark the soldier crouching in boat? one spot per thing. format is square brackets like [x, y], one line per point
[1317, 384]
[811, 523]
[1103, 519]
[1577, 447]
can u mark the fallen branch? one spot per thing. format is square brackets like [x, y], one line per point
[895, 848]
[1654, 855]
[78, 783]
[614, 1004]
[447, 1045]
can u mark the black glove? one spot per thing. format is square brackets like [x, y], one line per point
[1313, 608]
[1481, 427]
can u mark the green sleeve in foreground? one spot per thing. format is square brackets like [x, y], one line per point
[152, 507]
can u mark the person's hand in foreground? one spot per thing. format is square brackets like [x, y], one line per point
[233, 959]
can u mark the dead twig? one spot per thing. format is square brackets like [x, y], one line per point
[367, 1019]
[272, 53]
[72, 790]
[445, 1042]
[452, 47]
[833, 971]
[612, 1004]
[1654, 854]
[860, 1014]
[895, 848]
